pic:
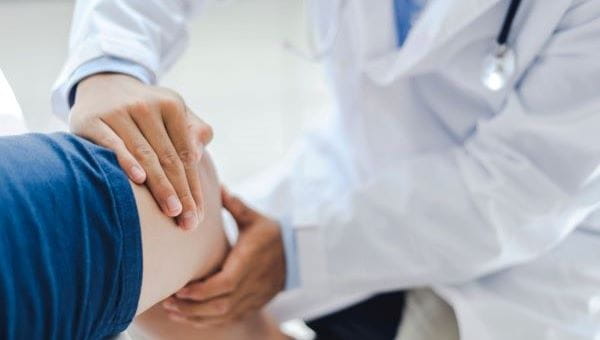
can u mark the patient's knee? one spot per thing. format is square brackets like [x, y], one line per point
[172, 257]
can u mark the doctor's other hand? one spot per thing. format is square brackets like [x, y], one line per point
[252, 274]
[155, 137]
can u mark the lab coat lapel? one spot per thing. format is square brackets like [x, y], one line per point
[440, 21]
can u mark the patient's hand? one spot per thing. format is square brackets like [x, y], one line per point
[253, 273]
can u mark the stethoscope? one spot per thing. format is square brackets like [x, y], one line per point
[498, 68]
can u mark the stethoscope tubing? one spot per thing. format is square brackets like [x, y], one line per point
[501, 62]
[508, 22]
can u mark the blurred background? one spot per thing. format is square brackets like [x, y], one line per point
[235, 74]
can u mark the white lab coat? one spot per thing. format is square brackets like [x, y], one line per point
[421, 176]
[11, 116]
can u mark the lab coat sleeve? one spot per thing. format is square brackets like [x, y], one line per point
[516, 188]
[292, 272]
[151, 33]
[106, 64]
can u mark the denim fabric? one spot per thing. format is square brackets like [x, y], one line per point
[70, 241]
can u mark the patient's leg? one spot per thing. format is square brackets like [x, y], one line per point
[173, 257]
[155, 324]
[71, 252]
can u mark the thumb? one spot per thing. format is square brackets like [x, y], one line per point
[242, 214]
[200, 129]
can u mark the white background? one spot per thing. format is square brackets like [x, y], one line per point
[235, 74]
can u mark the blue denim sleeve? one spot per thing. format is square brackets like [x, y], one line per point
[108, 64]
[292, 277]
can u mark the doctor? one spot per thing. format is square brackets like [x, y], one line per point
[436, 169]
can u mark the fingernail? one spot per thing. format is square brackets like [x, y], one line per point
[182, 293]
[176, 317]
[173, 204]
[170, 306]
[137, 173]
[189, 220]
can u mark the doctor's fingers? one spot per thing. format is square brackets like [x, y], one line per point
[156, 179]
[228, 314]
[188, 136]
[227, 281]
[218, 306]
[100, 133]
[199, 128]
[243, 215]
[151, 123]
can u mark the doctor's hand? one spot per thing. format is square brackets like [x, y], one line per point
[253, 273]
[157, 140]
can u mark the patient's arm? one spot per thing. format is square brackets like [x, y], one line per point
[173, 257]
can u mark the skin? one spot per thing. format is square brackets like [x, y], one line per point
[253, 273]
[172, 257]
[155, 324]
[155, 138]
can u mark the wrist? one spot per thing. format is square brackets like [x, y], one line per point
[103, 77]
[96, 82]
[106, 66]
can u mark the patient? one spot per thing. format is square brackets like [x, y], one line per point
[77, 236]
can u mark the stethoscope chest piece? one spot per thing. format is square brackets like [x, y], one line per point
[498, 68]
